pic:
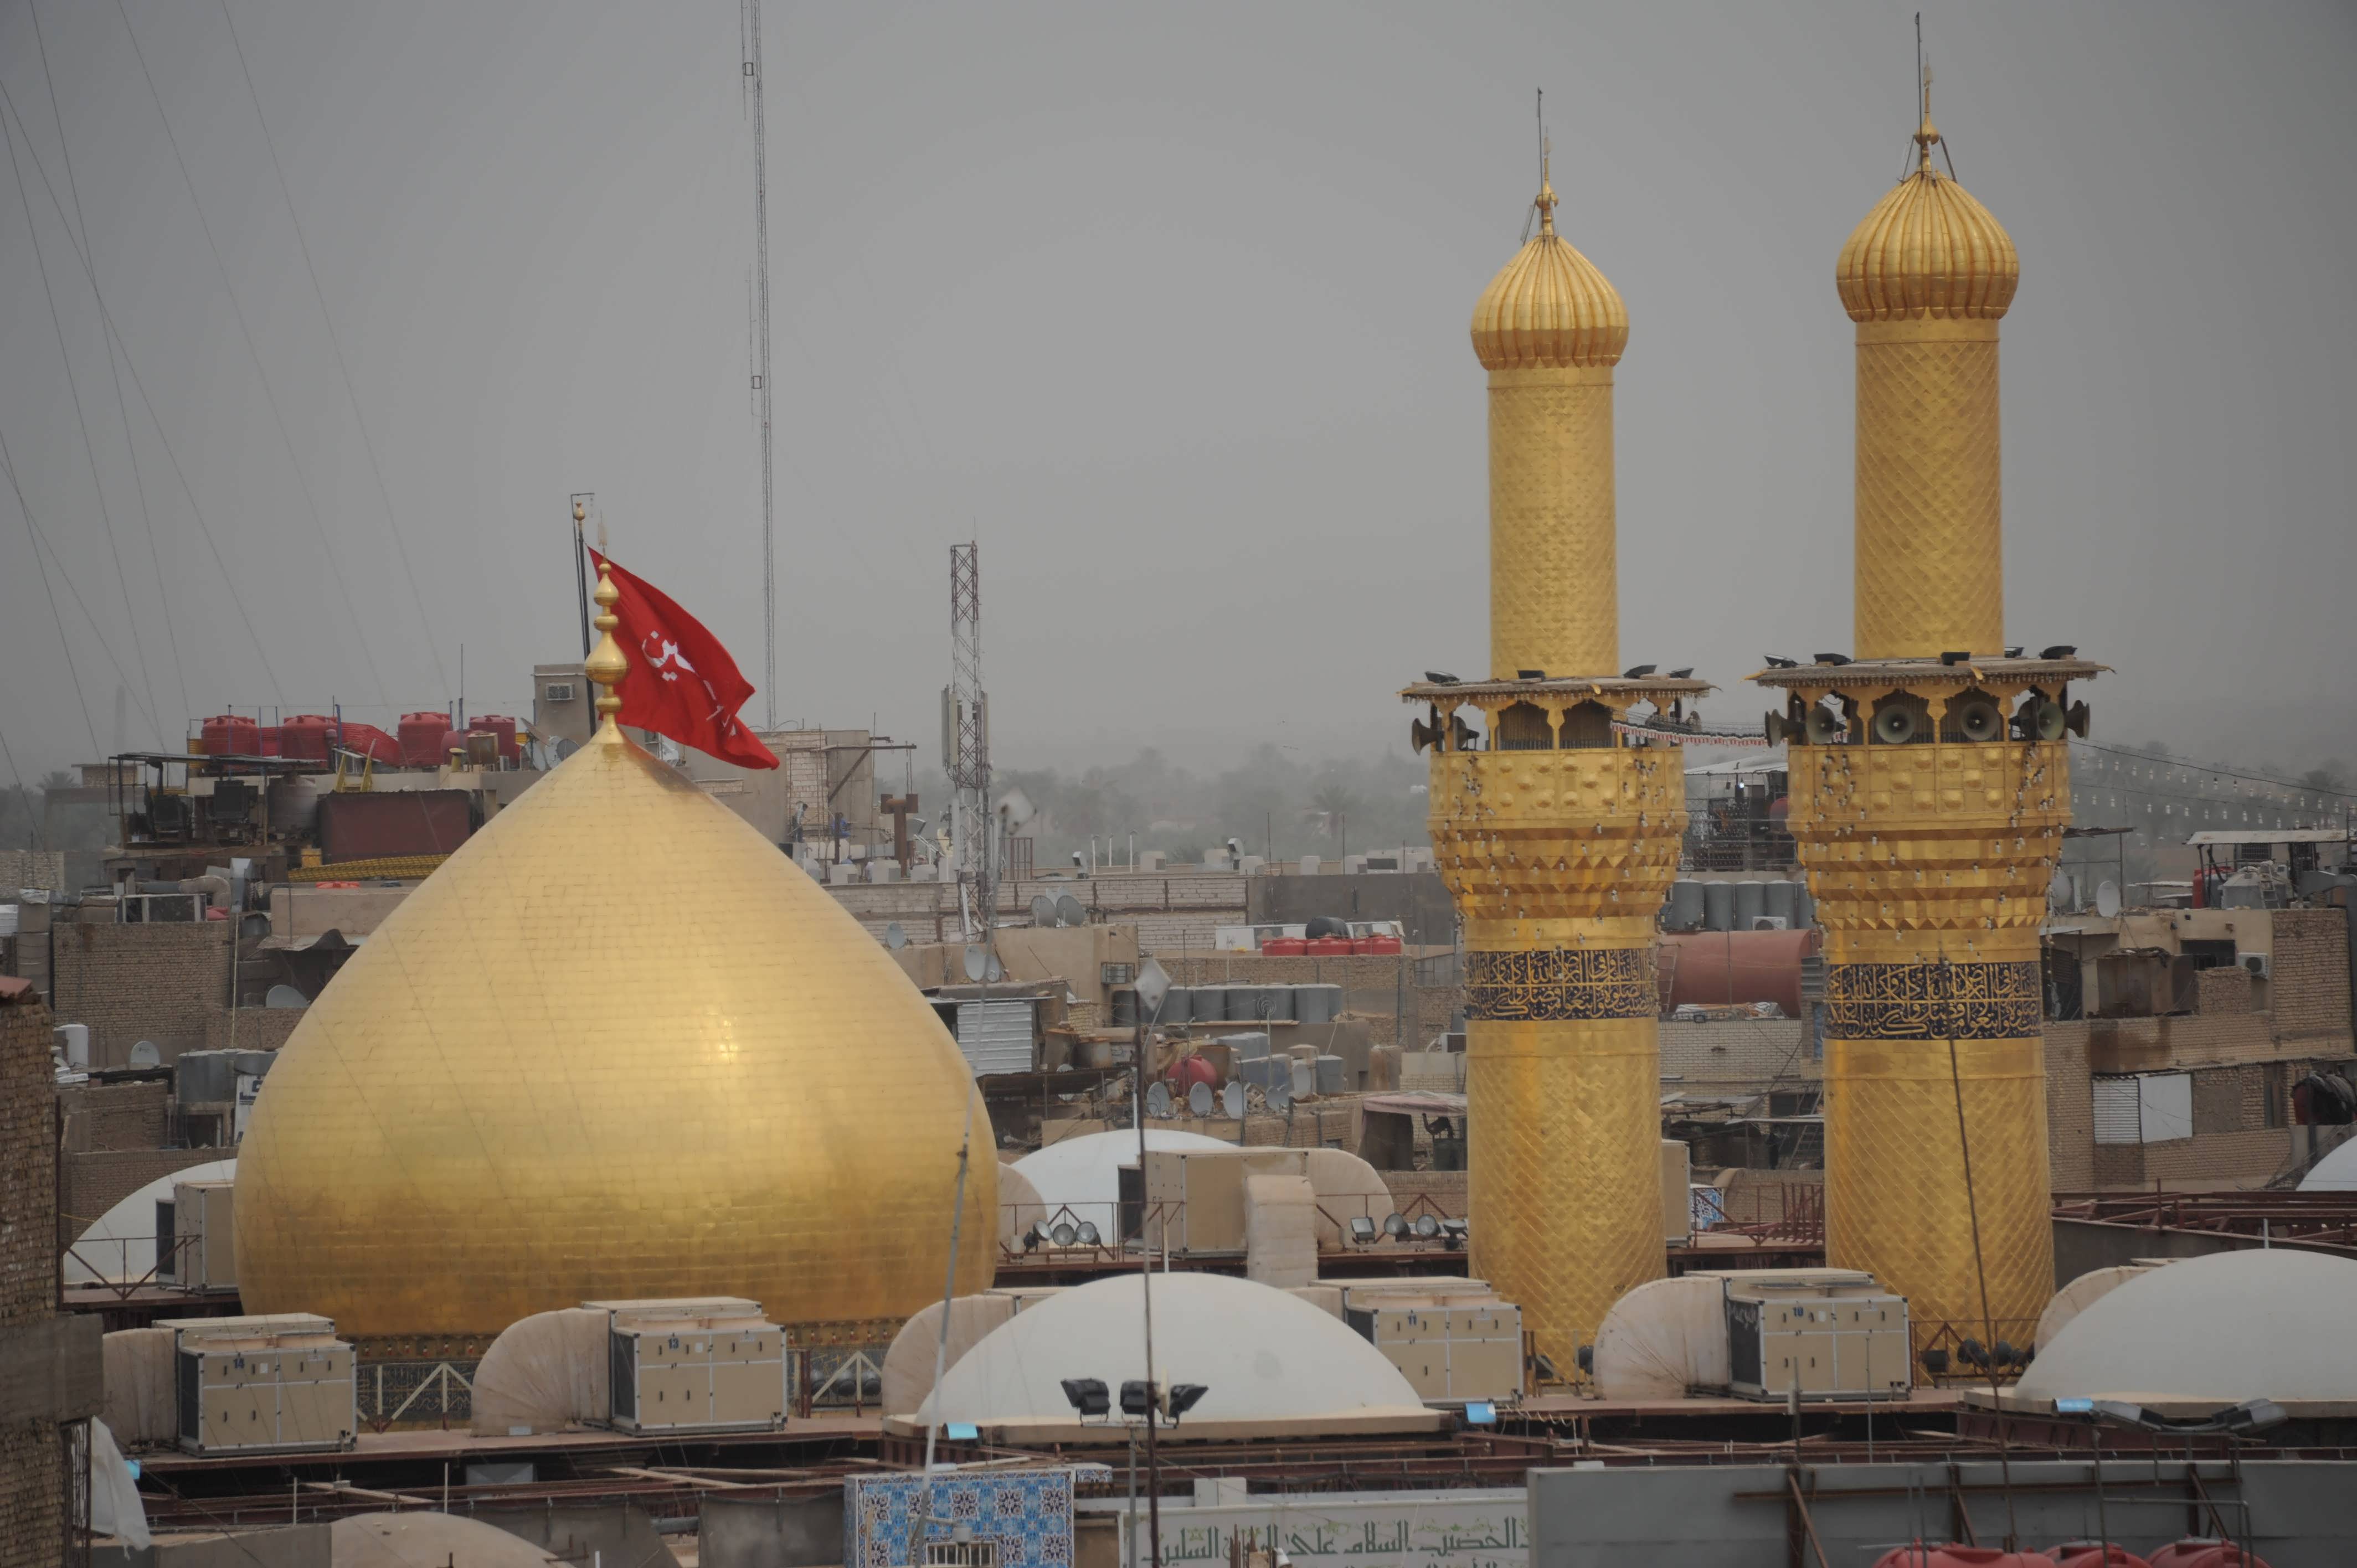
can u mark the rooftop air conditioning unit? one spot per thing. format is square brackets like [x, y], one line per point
[1826, 1339]
[159, 909]
[247, 1385]
[1770, 923]
[196, 1236]
[2256, 962]
[713, 1365]
[558, 691]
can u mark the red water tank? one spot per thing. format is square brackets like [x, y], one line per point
[2088, 1555]
[1189, 1071]
[367, 740]
[2196, 1554]
[270, 740]
[306, 737]
[226, 735]
[1917, 1555]
[505, 728]
[1722, 968]
[420, 738]
[1327, 947]
[1283, 946]
[1375, 947]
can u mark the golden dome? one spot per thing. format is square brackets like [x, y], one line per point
[616, 1047]
[1549, 307]
[1928, 249]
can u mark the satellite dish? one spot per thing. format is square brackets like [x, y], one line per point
[144, 1054]
[977, 961]
[1199, 1100]
[1280, 1095]
[1043, 910]
[285, 996]
[895, 937]
[993, 971]
[1231, 1100]
[1070, 912]
[1015, 809]
[1158, 1100]
[2107, 899]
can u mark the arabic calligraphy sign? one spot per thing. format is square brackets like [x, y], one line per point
[1560, 983]
[1933, 1001]
[1487, 1528]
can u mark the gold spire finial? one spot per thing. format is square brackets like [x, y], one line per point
[1927, 133]
[1545, 202]
[608, 663]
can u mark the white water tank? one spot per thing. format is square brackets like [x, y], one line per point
[74, 1040]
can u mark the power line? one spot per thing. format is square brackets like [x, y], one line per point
[2219, 772]
[376, 472]
[122, 406]
[73, 382]
[8, 109]
[245, 332]
[33, 532]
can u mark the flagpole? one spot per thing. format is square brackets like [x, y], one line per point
[581, 564]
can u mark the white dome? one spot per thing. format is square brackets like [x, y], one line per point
[1266, 1356]
[2336, 1172]
[2210, 1333]
[1084, 1172]
[120, 1246]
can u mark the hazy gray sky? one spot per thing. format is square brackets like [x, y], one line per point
[1167, 307]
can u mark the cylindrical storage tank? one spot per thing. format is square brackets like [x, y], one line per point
[1285, 947]
[367, 740]
[226, 735]
[306, 737]
[1178, 1005]
[1777, 898]
[76, 1038]
[1329, 947]
[1721, 969]
[2196, 1552]
[504, 727]
[1718, 905]
[1375, 947]
[1804, 907]
[1918, 1555]
[1750, 902]
[1684, 911]
[270, 740]
[1316, 1003]
[419, 737]
[1189, 1071]
[2092, 1555]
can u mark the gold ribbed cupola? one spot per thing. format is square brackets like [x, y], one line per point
[1549, 329]
[1926, 277]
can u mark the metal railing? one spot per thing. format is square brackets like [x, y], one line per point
[92, 1253]
[414, 1394]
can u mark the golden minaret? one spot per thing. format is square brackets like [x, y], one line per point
[1929, 789]
[1556, 824]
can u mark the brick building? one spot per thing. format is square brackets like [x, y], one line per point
[164, 984]
[49, 1364]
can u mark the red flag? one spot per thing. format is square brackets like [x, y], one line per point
[681, 681]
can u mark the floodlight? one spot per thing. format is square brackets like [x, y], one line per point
[1137, 1397]
[1935, 1359]
[2254, 1415]
[1087, 1396]
[1182, 1398]
[1454, 1230]
[1089, 1235]
[1395, 1227]
[1586, 1357]
[1363, 1229]
[1065, 1233]
[1427, 1227]
[1031, 1240]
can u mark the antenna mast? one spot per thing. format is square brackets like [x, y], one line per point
[751, 23]
[965, 739]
